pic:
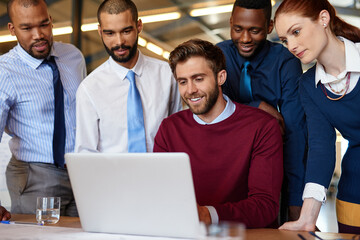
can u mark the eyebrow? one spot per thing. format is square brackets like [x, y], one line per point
[124, 29]
[290, 28]
[192, 76]
[29, 24]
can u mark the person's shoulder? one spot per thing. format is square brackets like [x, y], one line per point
[154, 61]
[175, 118]
[280, 51]
[308, 76]
[10, 56]
[225, 45]
[10, 62]
[96, 74]
[253, 115]
[67, 50]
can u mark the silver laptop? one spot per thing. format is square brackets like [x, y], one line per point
[135, 193]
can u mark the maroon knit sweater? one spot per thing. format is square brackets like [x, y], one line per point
[237, 164]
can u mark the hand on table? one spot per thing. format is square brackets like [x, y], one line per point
[4, 214]
[204, 214]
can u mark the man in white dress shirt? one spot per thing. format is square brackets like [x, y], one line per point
[101, 108]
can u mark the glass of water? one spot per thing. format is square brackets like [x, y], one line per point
[226, 231]
[48, 210]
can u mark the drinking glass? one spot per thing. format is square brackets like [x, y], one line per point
[48, 210]
[226, 231]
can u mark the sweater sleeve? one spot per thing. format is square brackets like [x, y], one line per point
[322, 136]
[261, 206]
[295, 147]
[159, 141]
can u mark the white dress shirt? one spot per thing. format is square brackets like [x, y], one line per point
[101, 105]
[352, 58]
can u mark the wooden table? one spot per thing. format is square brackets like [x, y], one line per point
[251, 234]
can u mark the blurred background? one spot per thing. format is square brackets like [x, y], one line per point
[167, 23]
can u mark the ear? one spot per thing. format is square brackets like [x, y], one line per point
[51, 21]
[324, 18]
[99, 29]
[231, 21]
[271, 26]
[139, 26]
[11, 28]
[221, 77]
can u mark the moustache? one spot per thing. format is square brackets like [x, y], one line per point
[39, 41]
[120, 47]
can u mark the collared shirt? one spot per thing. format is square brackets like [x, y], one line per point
[102, 104]
[27, 100]
[228, 111]
[274, 75]
[352, 58]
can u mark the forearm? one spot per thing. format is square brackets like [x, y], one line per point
[308, 216]
[254, 212]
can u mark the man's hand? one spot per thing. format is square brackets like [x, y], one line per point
[4, 214]
[275, 113]
[204, 214]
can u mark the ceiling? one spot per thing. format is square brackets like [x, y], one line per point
[166, 34]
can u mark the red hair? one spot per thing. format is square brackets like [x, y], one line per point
[312, 8]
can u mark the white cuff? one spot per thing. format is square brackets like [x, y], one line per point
[316, 191]
[213, 214]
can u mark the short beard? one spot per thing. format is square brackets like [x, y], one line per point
[213, 96]
[125, 59]
[42, 55]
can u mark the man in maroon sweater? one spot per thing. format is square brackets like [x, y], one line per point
[235, 150]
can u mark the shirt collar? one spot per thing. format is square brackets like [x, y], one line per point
[122, 71]
[256, 60]
[228, 111]
[352, 56]
[27, 58]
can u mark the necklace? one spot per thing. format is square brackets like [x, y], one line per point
[347, 84]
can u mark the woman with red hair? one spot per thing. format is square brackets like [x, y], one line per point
[330, 95]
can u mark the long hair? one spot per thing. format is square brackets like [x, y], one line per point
[312, 9]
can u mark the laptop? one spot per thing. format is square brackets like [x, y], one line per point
[148, 194]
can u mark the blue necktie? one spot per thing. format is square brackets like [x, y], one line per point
[59, 118]
[135, 117]
[245, 84]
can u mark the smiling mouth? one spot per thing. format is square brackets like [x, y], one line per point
[195, 99]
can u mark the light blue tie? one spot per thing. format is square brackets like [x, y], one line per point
[135, 117]
[245, 84]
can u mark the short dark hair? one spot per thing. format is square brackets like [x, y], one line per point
[24, 3]
[116, 7]
[198, 48]
[256, 4]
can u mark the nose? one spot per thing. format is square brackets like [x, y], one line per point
[245, 37]
[191, 88]
[120, 40]
[37, 33]
[292, 46]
